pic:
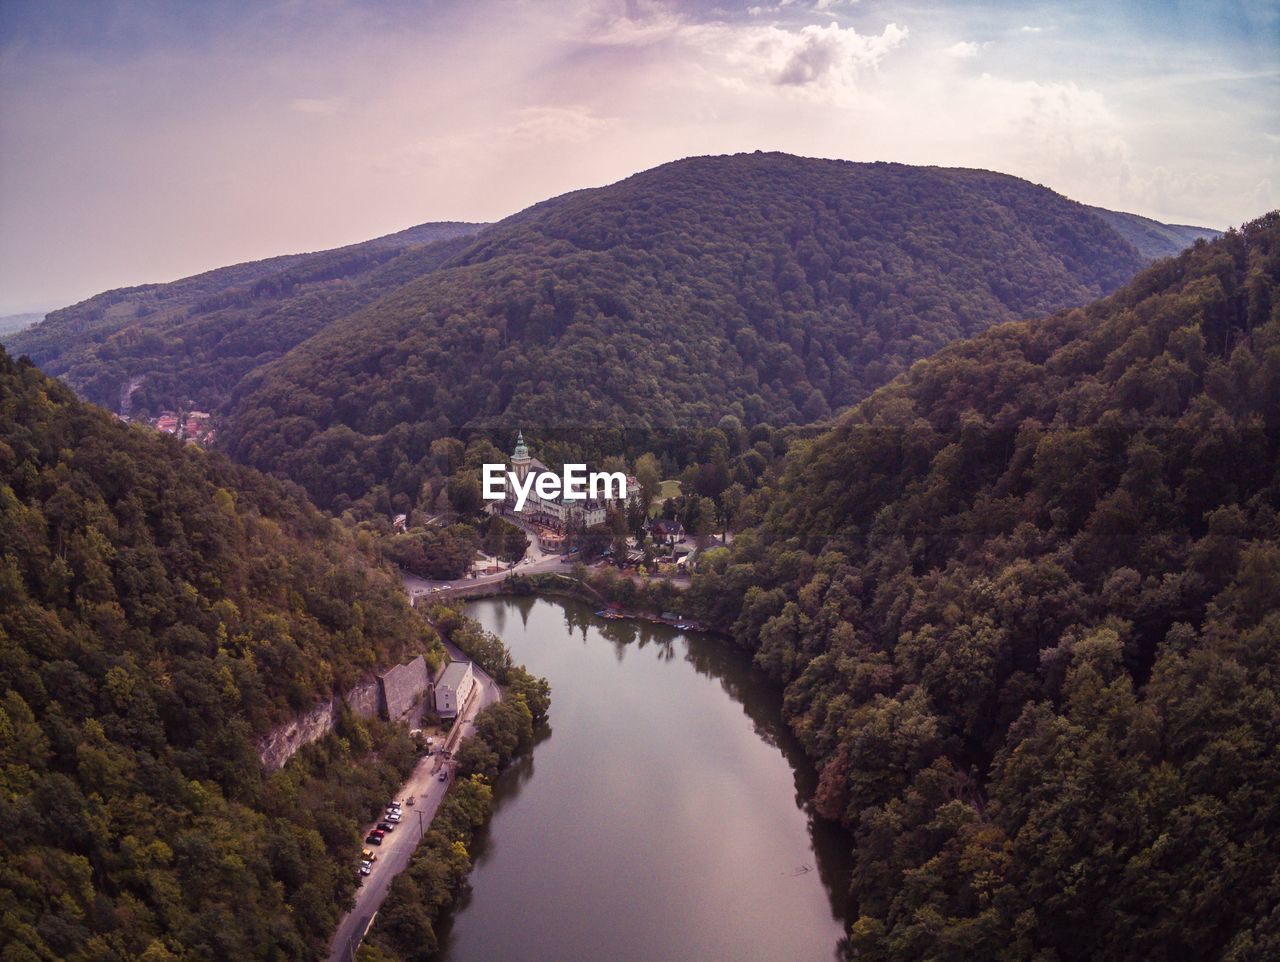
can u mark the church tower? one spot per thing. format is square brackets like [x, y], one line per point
[520, 457]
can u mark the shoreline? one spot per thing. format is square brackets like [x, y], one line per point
[423, 783]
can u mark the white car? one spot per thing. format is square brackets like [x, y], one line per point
[393, 817]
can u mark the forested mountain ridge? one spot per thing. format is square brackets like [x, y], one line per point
[767, 286]
[1025, 601]
[1151, 238]
[12, 323]
[161, 345]
[159, 608]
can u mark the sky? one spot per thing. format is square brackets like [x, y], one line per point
[146, 141]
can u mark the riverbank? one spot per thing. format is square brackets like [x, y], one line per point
[665, 814]
[632, 606]
[398, 847]
[438, 869]
[422, 868]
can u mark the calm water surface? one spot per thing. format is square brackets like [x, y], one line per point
[663, 816]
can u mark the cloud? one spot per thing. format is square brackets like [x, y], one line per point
[830, 54]
[964, 49]
[820, 60]
[235, 140]
[573, 124]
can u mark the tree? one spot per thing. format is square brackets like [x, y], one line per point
[465, 494]
[447, 454]
[649, 475]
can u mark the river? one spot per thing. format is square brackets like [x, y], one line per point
[662, 817]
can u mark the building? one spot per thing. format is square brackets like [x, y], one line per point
[400, 687]
[196, 427]
[667, 531]
[559, 513]
[453, 689]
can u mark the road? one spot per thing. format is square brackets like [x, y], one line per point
[420, 587]
[424, 783]
[425, 587]
[397, 847]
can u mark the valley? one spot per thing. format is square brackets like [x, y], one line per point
[980, 502]
[772, 288]
[864, 416]
[663, 815]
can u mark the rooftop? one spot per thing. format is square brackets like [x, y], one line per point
[453, 673]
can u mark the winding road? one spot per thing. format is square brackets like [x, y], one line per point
[424, 587]
[398, 846]
[424, 783]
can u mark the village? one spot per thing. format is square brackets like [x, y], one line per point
[553, 519]
[195, 427]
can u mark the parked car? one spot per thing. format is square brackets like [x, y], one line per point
[444, 774]
[410, 800]
[393, 817]
[366, 868]
[373, 839]
[368, 856]
[386, 827]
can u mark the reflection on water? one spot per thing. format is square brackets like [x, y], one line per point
[668, 817]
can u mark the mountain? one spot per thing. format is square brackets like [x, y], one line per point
[1025, 601]
[160, 608]
[160, 346]
[12, 323]
[1151, 238]
[767, 286]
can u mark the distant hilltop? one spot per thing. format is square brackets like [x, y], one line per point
[774, 288]
[12, 323]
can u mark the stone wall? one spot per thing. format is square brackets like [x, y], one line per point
[282, 742]
[392, 695]
[363, 699]
[401, 687]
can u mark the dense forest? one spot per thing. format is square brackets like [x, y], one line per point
[769, 287]
[1025, 601]
[161, 346]
[1024, 597]
[159, 608]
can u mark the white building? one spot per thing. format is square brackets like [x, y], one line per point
[453, 689]
[559, 512]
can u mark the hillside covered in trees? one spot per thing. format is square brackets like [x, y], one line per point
[1025, 601]
[159, 608]
[770, 287]
[158, 346]
[773, 288]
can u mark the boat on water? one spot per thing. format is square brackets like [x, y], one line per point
[667, 618]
